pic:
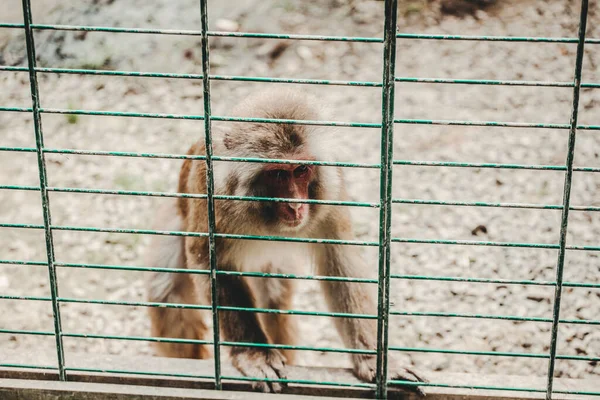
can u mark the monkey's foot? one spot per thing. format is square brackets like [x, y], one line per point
[262, 364]
[365, 368]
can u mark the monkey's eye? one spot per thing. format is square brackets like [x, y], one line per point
[278, 174]
[301, 171]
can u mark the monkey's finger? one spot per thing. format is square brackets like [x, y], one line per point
[419, 377]
[261, 387]
[408, 375]
[276, 387]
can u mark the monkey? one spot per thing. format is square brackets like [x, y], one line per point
[294, 180]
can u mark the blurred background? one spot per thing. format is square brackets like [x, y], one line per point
[319, 60]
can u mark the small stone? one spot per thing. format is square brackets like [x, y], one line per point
[227, 25]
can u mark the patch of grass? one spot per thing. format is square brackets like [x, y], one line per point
[128, 182]
[72, 119]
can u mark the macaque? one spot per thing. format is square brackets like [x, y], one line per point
[293, 180]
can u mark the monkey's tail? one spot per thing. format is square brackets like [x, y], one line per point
[164, 287]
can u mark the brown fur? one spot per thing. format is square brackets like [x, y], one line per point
[262, 140]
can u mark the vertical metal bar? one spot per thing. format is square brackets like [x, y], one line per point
[566, 197]
[212, 255]
[39, 146]
[387, 155]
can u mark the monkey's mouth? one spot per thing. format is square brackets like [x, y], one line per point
[292, 223]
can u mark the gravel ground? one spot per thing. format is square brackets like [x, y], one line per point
[327, 60]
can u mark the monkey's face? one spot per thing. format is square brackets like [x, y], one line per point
[290, 181]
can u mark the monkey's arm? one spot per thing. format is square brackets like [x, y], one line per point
[354, 298]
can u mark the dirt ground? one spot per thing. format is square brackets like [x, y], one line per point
[320, 60]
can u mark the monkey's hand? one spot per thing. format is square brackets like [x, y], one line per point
[365, 367]
[262, 364]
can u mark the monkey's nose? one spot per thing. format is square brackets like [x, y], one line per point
[296, 210]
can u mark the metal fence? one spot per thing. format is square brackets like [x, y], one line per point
[386, 126]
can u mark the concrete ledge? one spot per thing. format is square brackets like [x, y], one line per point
[36, 384]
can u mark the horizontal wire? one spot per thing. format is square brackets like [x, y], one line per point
[298, 312]
[492, 244]
[456, 386]
[28, 298]
[307, 201]
[16, 109]
[301, 240]
[301, 277]
[306, 162]
[28, 366]
[465, 315]
[239, 78]
[134, 338]
[475, 243]
[481, 204]
[254, 35]
[479, 165]
[26, 332]
[135, 303]
[474, 280]
[213, 117]
[490, 316]
[216, 197]
[536, 125]
[294, 347]
[468, 352]
[134, 268]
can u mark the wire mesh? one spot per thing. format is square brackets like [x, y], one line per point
[387, 161]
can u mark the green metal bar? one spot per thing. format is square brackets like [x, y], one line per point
[39, 143]
[468, 352]
[298, 312]
[202, 196]
[307, 201]
[478, 165]
[133, 268]
[16, 109]
[507, 124]
[566, 197]
[27, 366]
[26, 332]
[533, 125]
[212, 254]
[304, 240]
[474, 316]
[135, 338]
[238, 78]
[385, 195]
[304, 37]
[477, 387]
[29, 298]
[301, 348]
[494, 38]
[135, 303]
[473, 280]
[306, 162]
[23, 262]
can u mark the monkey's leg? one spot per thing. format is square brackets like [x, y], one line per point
[277, 294]
[244, 326]
[174, 322]
[162, 287]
